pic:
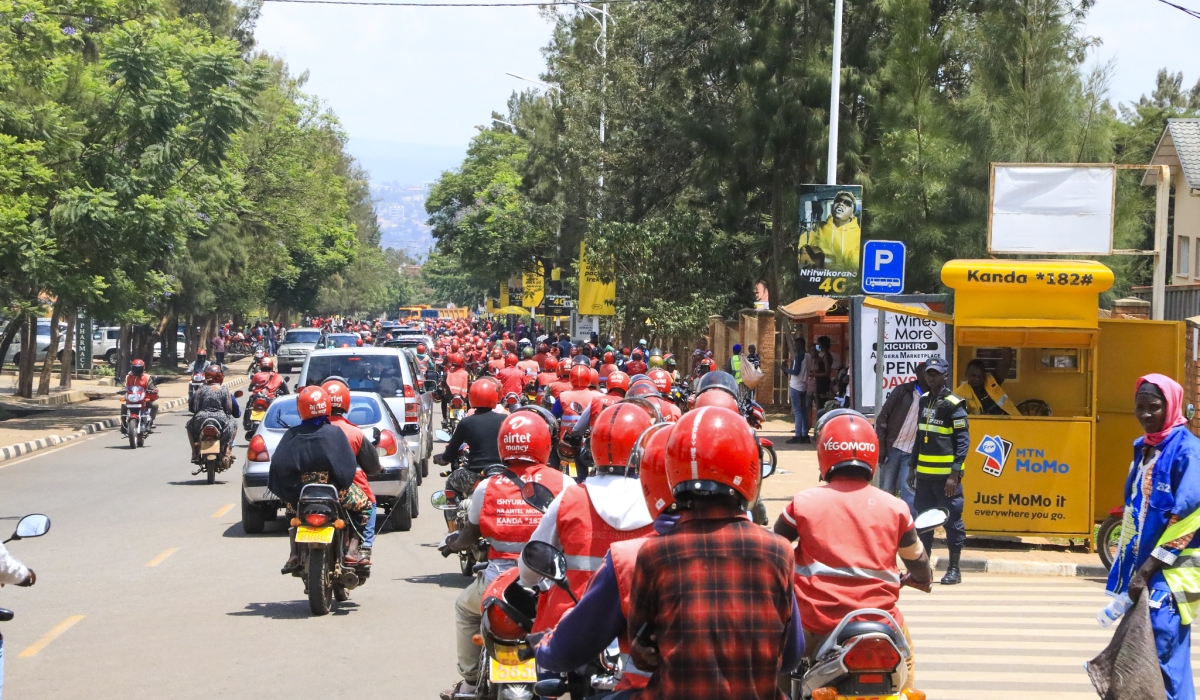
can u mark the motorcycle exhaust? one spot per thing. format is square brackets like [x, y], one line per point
[349, 579]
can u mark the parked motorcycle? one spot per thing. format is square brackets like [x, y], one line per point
[321, 538]
[1108, 538]
[216, 453]
[30, 526]
[137, 414]
[753, 411]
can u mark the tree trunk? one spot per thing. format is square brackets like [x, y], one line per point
[51, 351]
[28, 353]
[189, 338]
[124, 350]
[68, 361]
[10, 333]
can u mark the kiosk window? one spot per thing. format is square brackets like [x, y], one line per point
[991, 360]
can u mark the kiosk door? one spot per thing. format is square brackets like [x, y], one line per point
[1128, 349]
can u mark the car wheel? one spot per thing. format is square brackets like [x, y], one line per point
[425, 467]
[16, 359]
[402, 518]
[415, 500]
[252, 517]
[111, 357]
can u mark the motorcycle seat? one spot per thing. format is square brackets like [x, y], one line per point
[860, 627]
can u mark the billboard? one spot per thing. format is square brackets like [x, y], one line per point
[1052, 209]
[830, 236]
[596, 298]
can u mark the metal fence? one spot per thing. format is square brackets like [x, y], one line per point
[1182, 300]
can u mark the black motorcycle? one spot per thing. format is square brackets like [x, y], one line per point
[216, 451]
[322, 539]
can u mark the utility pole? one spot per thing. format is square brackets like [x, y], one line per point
[835, 90]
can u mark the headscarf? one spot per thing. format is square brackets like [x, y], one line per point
[1173, 393]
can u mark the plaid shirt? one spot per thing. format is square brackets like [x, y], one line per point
[717, 591]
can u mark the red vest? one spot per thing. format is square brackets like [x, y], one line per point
[583, 397]
[355, 436]
[585, 539]
[458, 380]
[529, 367]
[495, 366]
[602, 402]
[506, 519]
[512, 380]
[624, 559]
[144, 382]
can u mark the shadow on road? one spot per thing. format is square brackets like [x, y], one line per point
[274, 528]
[290, 610]
[445, 580]
[195, 482]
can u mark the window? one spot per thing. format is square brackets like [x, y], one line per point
[1183, 255]
[378, 373]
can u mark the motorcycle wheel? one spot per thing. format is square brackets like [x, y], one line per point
[320, 588]
[1107, 540]
[141, 440]
[210, 469]
[131, 427]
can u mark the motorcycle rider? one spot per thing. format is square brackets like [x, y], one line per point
[556, 388]
[455, 382]
[715, 576]
[579, 394]
[137, 377]
[548, 376]
[212, 400]
[197, 367]
[267, 381]
[317, 451]
[365, 455]
[511, 377]
[608, 508]
[848, 534]
[499, 513]
[636, 364]
[478, 431]
[528, 365]
[662, 382]
[496, 364]
[424, 361]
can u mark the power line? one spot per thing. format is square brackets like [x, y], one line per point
[548, 3]
[1181, 8]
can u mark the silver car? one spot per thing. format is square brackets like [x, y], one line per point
[295, 347]
[395, 488]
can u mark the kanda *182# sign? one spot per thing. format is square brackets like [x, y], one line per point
[830, 234]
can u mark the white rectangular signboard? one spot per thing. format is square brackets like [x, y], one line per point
[1051, 209]
[907, 342]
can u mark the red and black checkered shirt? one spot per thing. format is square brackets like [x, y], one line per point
[718, 594]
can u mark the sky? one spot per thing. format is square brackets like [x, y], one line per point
[411, 84]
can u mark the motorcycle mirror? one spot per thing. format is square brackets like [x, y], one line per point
[441, 436]
[238, 394]
[537, 496]
[34, 525]
[576, 407]
[768, 466]
[930, 519]
[440, 501]
[545, 560]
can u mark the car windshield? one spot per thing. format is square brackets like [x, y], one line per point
[337, 340]
[364, 410]
[302, 336]
[378, 373]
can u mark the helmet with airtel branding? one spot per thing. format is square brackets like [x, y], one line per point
[649, 458]
[564, 369]
[713, 452]
[581, 376]
[718, 380]
[420, 347]
[641, 389]
[339, 395]
[483, 394]
[618, 383]
[550, 364]
[844, 441]
[312, 402]
[661, 379]
[267, 364]
[510, 360]
[524, 438]
[614, 433]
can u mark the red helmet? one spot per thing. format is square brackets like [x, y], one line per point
[496, 353]
[847, 440]
[551, 364]
[267, 364]
[524, 437]
[483, 394]
[543, 348]
[661, 379]
[137, 367]
[593, 377]
[358, 342]
[574, 350]
[455, 359]
[204, 353]
[420, 346]
[214, 374]
[339, 395]
[609, 359]
[641, 389]
[714, 451]
[716, 398]
[618, 381]
[649, 457]
[615, 431]
[311, 402]
[510, 360]
[564, 368]
[454, 345]
[581, 376]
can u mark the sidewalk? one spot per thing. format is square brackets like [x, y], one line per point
[27, 427]
[1013, 555]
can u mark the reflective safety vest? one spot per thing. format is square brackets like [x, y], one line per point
[585, 539]
[935, 433]
[735, 364]
[994, 392]
[505, 519]
[459, 382]
[624, 559]
[1183, 577]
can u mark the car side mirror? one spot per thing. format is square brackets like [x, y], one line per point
[545, 560]
[34, 525]
[440, 501]
[441, 436]
[430, 385]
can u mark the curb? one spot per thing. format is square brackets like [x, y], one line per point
[1022, 567]
[21, 449]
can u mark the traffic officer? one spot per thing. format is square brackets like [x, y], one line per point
[943, 439]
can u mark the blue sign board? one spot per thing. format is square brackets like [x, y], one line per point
[883, 267]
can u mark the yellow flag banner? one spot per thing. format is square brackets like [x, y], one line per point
[534, 287]
[595, 297]
[503, 299]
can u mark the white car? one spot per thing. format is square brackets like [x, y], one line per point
[42, 341]
[395, 488]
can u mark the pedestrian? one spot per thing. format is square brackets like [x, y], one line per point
[797, 390]
[896, 427]
[943, 438]
[1162, 516]
[219, 347]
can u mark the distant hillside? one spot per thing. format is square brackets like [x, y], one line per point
[401, 212]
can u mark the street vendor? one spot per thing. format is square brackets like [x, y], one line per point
[1159, 529]
[982, 390]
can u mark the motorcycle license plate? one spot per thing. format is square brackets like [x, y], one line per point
[314, 535]
[525, 672]
[210, 447]
[257, 415]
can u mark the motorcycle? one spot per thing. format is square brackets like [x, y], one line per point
[256, 410]
[753, 412]
[256, 364]
[458, 411]
[216, 454]
[34, 525]
[137, 414]
[454, 502]
[321, 538]
[862, 659]
[1108, 538]
[196, 383]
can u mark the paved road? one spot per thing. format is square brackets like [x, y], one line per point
[155, 591]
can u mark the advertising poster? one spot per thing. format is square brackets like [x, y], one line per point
[1028, 476]
[830, 237]
[907, 342]
[533, 287]
[596, 298]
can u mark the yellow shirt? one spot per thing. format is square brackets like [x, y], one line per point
[839, 243]
[994, 392]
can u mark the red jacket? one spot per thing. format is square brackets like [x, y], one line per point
[355, 436]
[271, 382]
[512, 379]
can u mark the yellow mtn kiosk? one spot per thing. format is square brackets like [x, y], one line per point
[1058, 474]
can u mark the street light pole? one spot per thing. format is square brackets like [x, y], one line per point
[835, 90]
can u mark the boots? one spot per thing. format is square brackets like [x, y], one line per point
[292, 565]
[953, 575]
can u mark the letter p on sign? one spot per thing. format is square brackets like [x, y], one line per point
[883, 256]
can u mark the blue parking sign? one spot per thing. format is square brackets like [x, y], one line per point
[883, 267]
